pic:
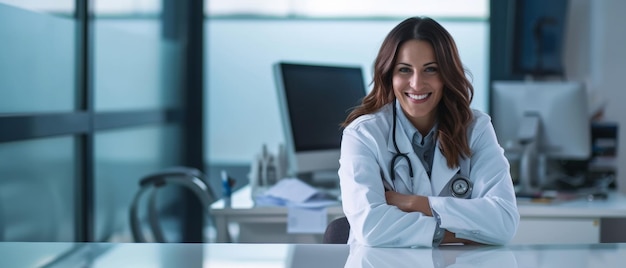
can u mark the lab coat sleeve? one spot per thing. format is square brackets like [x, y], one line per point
[372, 221]
[491, 215]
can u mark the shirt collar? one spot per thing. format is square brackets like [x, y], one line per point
[410, 130]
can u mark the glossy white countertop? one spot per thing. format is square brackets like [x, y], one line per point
[41, 254]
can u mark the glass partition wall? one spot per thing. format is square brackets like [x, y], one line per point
[93, 96]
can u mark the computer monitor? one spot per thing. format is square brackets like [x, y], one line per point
[314, 100]
[540, 124]
[565, 132]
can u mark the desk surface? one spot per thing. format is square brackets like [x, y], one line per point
[613, 207]
[541, 223]
[34, 254]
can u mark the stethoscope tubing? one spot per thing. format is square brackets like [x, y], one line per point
[399, 155]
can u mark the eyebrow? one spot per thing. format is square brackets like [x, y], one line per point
[424, 65]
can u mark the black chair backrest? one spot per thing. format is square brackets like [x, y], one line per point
[189, 178]
[337, 231]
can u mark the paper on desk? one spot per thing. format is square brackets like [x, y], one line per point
[306, 220]
[269, 201]
[293, 192]
[292, 189]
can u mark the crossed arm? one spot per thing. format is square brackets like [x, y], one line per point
[420, 203]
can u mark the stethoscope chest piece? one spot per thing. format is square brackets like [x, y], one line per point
[461, 186]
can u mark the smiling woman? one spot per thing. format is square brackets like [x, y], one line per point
[418, 166]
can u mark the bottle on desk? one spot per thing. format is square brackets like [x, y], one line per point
[267, 169]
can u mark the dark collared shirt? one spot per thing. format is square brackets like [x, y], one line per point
[424, 147]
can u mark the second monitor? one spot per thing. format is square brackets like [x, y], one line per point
[549, 117]
[314, 100]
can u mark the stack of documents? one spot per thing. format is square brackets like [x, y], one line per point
[306, 205]
[294, 192]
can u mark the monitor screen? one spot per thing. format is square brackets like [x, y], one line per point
[315, 100]
[565, 126]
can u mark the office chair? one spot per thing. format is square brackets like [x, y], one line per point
[337, 231]
[189, 178]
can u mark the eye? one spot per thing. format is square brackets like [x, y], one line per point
[404, 70]
[431, 69]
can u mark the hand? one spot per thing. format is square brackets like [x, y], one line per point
[450, 238]
[409, 203]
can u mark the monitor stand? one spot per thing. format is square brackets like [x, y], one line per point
[532, 173]
[532, 162]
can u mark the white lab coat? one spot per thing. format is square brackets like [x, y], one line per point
[490, 216]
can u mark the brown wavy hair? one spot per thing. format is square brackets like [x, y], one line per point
[454, 112]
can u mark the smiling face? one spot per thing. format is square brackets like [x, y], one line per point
[417, 83]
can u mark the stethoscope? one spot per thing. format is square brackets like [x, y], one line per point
[459, 186]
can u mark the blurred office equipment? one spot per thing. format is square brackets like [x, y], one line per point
[540, 121]
[604, 146]
[314, 100]
[602, 166]
[189, 178]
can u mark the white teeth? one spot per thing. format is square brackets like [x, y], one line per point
[418, 97]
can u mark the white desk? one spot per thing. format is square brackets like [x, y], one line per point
[565, 222]
[575, 221]
[258, 224]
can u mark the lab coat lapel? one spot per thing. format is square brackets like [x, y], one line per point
[404, 145]
[441, 173]
[401, 139]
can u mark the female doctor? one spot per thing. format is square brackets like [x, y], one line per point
[418, 166]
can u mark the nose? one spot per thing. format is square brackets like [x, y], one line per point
[414, 80]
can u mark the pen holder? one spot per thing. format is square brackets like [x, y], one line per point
[227, 188]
